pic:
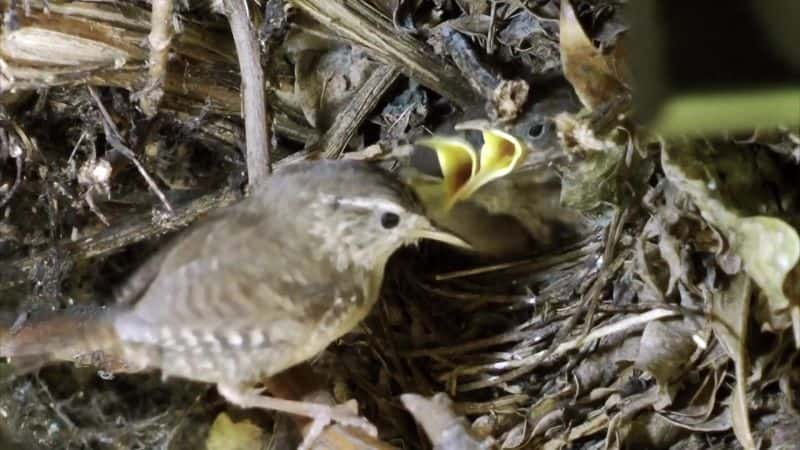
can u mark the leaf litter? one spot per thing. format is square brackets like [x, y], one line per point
[635, 292]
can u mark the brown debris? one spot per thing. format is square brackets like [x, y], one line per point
[635, 292]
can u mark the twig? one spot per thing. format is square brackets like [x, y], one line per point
[528, 364]
[504, 98]
[159, 40]
[575, 252]
[113, 138]
[89, 198]
[508, 403]
[332, 143]
[444, 428]
[592, 297]
[257, 121]
[53, 404]
[541, 332]
[19, 145]
[480, 76]
[492, 28]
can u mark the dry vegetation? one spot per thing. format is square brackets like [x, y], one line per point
[651, 303]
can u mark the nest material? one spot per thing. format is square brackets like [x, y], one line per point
[647, 314]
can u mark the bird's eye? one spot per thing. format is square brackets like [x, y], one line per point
[536, 130]
[389, 220]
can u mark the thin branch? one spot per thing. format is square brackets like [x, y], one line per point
[17, 147]
[113, 138]
[257, 120]
[481, 77]
[159, 40]
[332, 143]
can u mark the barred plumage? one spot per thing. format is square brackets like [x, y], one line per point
[259, 287]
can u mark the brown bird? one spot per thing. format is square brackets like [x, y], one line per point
[256, 288]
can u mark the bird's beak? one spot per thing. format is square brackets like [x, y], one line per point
[428, 231]
[500, 155]
[462, 173]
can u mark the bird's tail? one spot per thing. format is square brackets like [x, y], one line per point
[84, 335]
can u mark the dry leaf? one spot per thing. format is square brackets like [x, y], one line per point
[664, 352]
[768, 246]
[698, 415]
[592, 178]
[730, 310]
[592, 74]
[51, 47]
[649, 430]
[669, 247]
[592, 426]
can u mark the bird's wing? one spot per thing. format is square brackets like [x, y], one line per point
[235, 282]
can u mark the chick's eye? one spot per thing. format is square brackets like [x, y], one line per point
[389, 220]
[537, 130]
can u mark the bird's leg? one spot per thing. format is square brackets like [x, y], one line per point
[322, 415]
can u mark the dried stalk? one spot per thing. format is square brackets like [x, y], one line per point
[528, 364]
[91, 43]
[159, 40]
[256, 116]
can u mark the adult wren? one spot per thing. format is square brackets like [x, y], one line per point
[256, 288]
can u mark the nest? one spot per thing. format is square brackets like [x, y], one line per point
[652, 307]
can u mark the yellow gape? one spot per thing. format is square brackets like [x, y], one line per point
[462, 174]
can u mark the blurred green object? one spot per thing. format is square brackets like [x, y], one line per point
[709, 68]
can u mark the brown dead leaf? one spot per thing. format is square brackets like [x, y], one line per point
[730, 311]
[592, 426]
[591, 73]
[649, 430]
[768, 246]
[665, 350]
[670, 252]
[698, 415]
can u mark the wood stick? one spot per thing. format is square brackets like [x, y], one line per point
[257, 121]
[159, 41]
